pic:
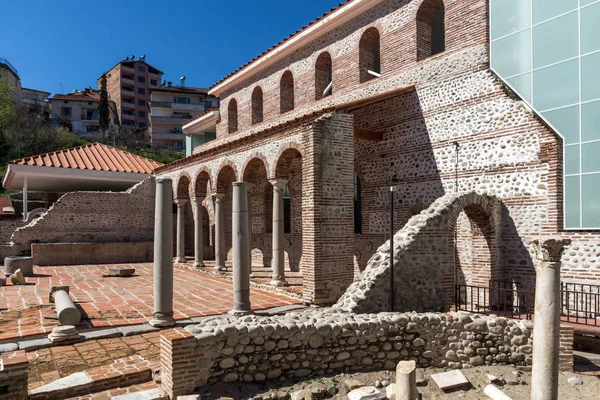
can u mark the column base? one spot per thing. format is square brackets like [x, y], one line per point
[180, 260]
[251, 275]
[220, 268]
[240, 313]
[278, 283]
[162, 322]
[198, 264]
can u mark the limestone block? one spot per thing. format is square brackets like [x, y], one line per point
[14, 263]
[17, 278]
[121, 271]
[450, 380]
[63, 333]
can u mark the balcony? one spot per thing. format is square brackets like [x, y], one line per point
[127, 105]
[89, 118]
[128, 117]
[127, 70]
[162, 135]
[170, 120]
[126, 81]
[162, 104]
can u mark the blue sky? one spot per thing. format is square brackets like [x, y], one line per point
[73, 41]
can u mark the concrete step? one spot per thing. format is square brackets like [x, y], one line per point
[122, 373]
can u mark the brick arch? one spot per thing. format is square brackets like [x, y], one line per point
[278, 157]
[232, 116]
[252, 159]
[424, 17]
[257, 101]
[182, 188]
[424, 257]
[203, 179]
[323, 75]
[369, 53]
[227, 172]
[287, 88]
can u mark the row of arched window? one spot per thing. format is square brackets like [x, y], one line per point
[430, 41]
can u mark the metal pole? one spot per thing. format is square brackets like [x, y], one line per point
[392, 248]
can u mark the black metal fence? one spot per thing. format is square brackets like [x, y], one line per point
[580, 303]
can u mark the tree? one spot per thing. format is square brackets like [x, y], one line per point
[103, 110]
[7, 116]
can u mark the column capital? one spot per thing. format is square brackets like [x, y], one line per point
[549, 248]
[198, 199]
[279, 183]
[218, 196]
[180, 202]
[160, 179]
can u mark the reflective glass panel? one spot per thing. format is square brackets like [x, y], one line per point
[512, 54]
[590, 29]
[590, 121]
[590, 77]
[590, 202]
[544, 9]
[509, 16]
[590, 157]
[572, 159]
[556, 86]
[522, 85]
[566, 122]
[572, 202]
[555, 40]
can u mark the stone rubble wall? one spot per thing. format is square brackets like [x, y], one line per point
[8, 226]
[300, 345]
[423, 261]
[94, 217]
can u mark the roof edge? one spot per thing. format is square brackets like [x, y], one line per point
[329, 21]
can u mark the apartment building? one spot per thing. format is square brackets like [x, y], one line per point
[33, 97]
[170, 108]
[81, 109]
[11, 75]
[128, 85]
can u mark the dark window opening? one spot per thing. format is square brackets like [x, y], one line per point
[431, 30]
[357, 205]
[257, 105]
[286, 92]
[369, 55]
[232, 116]
[323, 76]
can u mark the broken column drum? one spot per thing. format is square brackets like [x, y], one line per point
[406, 380]
[546, 329]
[163, 255]
[66, 310]
[241, 249]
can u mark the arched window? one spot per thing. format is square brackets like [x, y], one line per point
[369, 55]
[357, 205]
[431, 31]
[257, 105]
[286, 92]
[323, 76]
[232, 116]
[287, 210]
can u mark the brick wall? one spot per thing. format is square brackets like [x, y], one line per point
[94, 217]
[13, 376]
[8, 226]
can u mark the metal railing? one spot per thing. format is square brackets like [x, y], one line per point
[580, 303]
[504, 298]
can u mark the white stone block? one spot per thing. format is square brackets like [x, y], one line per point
[366, 393]
[450, 380]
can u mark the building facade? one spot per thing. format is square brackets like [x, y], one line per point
[549, 53]
[80, 109]
[170, 108]
[11, 75]
[128, 85]
[381, 92]
[35, 98]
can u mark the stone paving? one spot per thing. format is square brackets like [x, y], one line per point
[111, 301]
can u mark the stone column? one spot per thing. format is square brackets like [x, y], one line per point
[180, 230]
[163, 254]
[25, 205]
[406, 381]
[546, 329]
[198, 238]
[250, 231]
[220, 255]
[241, 245]
[278, 233]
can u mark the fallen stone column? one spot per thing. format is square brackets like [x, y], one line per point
[546, 330]
[163, 255]
[494, 393]
[66, 310]
[241, 253]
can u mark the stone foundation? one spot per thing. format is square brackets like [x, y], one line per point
[13, 376]
[91, 253]
[299, 345]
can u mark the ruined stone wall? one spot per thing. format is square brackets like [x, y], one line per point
[300, 345]
[13, 376]
[8, 226]
[94, 217]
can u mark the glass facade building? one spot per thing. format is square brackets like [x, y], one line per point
[548, 51]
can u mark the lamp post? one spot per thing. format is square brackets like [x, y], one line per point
[393, 186]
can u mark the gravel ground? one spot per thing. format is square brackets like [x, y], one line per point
[517, 385]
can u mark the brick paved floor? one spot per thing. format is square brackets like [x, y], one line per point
[110, 301]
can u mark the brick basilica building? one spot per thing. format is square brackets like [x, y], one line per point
[375, 91]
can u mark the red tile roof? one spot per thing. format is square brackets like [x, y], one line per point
[93, 157]
[86, 95]
[282, 42]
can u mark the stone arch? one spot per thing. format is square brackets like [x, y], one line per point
[35, 213]
[232, 116]
[430, 21]
[252, 159]
[203, 181]
[369, 54]
[227, 174]
[286, 92]
[323, 76]
[424, 257]
[257, 105]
